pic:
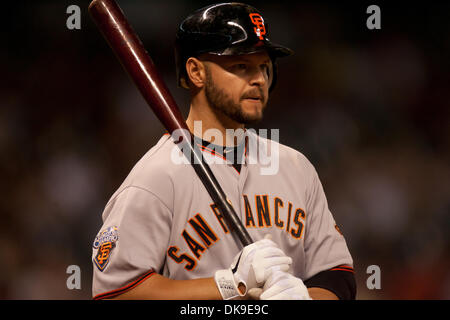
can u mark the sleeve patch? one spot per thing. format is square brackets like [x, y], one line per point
[105, 242]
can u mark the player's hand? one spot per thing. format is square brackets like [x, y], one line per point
[284, 286]
[251, 268]
[253, 294]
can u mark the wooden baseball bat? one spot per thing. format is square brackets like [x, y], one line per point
[131, 53]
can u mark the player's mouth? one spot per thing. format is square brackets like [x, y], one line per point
[253, 98]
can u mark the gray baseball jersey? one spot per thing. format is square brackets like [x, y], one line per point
[162, 219]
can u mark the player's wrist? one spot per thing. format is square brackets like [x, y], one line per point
[250, 268]
[227, 285]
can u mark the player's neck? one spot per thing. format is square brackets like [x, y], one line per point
[201, 119]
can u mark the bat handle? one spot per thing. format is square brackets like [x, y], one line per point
[221, 201]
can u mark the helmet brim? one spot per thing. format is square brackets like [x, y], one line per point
[274, 50]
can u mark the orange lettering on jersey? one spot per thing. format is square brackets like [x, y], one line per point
[262, 207]
[219, 217]
[193, 245]
[203, 230]
[299, 214]
[249, 221]
[277, 204]
[190, 262]
[259, 28]
[288, 224]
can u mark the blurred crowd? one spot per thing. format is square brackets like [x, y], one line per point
[369, 108]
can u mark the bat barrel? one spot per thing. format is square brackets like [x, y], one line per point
[123, 40]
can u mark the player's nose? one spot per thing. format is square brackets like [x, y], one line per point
[258, 77]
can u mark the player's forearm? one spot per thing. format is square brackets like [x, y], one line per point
[321, 294]
[158, 287]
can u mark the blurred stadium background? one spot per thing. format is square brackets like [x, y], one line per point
[369, 108]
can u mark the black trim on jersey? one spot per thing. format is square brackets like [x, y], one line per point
[341, 283]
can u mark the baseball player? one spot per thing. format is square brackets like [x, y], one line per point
[163, 237]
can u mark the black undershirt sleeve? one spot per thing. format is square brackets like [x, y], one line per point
[341, 283]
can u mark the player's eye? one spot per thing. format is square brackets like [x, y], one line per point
[240, 66]
[265, 68]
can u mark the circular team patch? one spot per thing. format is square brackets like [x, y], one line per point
[105, 242]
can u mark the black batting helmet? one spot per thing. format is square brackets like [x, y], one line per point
[224, 29]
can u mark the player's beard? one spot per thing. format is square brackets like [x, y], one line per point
[222, 103]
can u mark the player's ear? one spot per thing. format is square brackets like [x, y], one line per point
[195, 70]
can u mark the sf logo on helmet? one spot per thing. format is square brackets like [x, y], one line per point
[258, 21]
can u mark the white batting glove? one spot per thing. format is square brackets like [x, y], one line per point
[251, 268]
[284, 286]
[254, 294]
